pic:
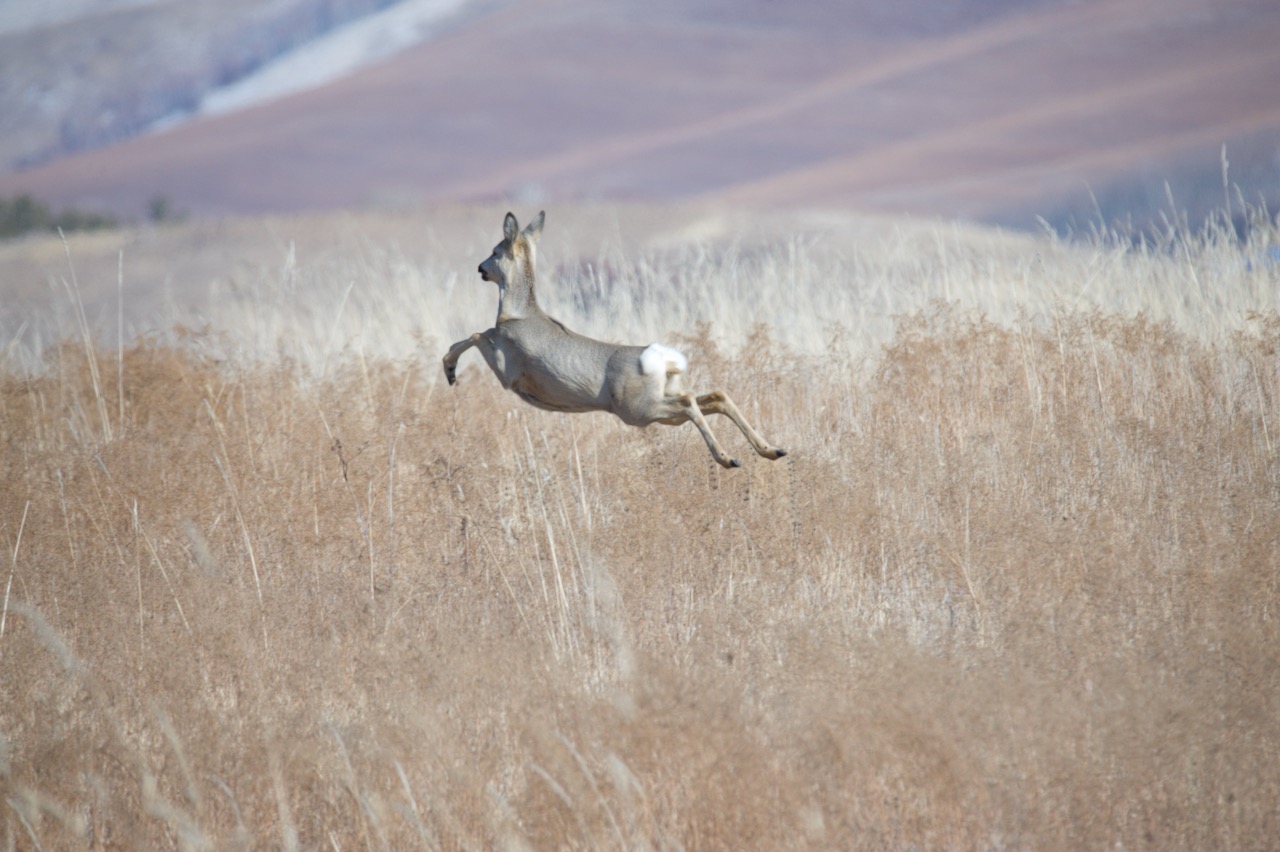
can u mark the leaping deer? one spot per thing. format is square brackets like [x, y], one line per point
[553, 368]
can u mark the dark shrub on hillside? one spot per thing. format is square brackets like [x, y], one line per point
[23, 214]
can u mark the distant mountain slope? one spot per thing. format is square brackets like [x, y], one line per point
[76, 75]
[1000, 110]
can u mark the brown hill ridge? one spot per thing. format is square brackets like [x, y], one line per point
[1012, 108]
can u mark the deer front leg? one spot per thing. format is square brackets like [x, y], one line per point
[718, 402]
[455, 352]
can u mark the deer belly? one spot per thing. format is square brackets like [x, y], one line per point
[549, 396]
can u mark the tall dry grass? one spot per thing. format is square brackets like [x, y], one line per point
[322, 289]
[1015, 586]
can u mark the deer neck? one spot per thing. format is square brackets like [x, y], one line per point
[516, 298]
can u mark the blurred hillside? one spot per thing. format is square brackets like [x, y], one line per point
[996, 110]
[81, 74]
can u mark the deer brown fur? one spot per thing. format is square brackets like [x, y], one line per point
[556, 369]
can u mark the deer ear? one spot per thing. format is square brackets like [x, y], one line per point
[533, 230]
[510, 227]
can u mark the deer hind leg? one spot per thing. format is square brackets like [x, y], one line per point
[718, 402]
[689, 404]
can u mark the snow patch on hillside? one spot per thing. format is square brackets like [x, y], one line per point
[343, 51]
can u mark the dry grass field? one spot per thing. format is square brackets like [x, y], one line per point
[269, 582]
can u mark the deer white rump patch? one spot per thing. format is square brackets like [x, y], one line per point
[659, 360]
[663, 365]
